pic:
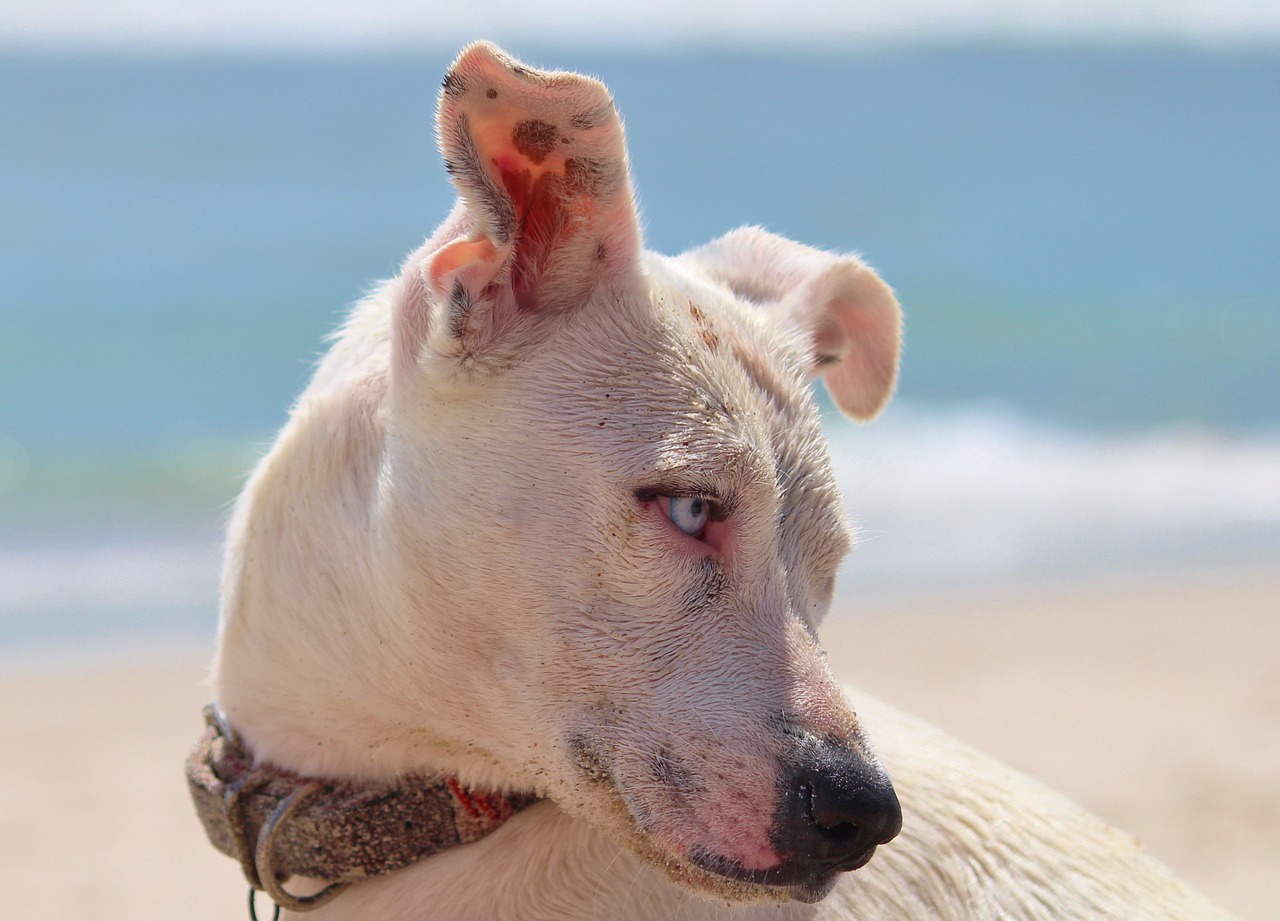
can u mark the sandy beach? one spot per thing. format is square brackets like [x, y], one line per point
[1153, 702]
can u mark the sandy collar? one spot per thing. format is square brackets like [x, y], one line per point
[279, 825]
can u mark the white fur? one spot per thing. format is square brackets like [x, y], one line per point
[455, 559]
[979, 841]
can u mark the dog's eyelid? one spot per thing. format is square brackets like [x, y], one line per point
[720, 505]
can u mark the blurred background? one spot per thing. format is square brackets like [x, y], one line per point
[1070, 515]
[1080, 211]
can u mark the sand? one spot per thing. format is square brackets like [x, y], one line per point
[1154, 702]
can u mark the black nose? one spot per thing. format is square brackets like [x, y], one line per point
[837, 809]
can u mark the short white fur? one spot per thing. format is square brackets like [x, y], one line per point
[447, 562]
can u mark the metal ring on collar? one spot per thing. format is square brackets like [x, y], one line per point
[241, 788]
[253, 908]
[265, 860]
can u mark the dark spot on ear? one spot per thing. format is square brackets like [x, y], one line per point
[823, 360]
[491, 93]
[453, 85]
[672, 773]
[602, 253]
[534, 138]
[566, 140]
[592, 118]
[459, 306]
[585, 176]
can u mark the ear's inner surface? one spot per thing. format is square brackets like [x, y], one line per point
[540, 162]
[849, 314]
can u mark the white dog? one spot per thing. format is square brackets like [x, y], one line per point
[537, 564]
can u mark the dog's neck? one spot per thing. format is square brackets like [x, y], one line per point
[314, 592]
[269, 819]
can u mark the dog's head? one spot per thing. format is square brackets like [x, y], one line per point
[603, 519]
[636, 512]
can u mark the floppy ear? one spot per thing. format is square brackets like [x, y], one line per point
[851, 317]
[540, 163]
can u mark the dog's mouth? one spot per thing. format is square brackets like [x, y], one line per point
[781, 866]
[791, 879]
[717, 876]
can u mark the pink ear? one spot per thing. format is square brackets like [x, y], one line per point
[850, 315]
[856, 329]
[540, 162]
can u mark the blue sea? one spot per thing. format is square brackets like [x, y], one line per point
[1085, 239]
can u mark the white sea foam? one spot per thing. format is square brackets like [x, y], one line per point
[980, 495]
[329, 24]
[941, 498]
[114, 597]
[121, 573]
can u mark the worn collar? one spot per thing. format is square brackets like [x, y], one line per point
[278, 824]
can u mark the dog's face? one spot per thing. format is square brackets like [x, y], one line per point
[606, 480]
[635, 518]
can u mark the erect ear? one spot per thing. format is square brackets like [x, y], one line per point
[540, 163]
[851, 317]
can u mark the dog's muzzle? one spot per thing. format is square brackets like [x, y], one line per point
[834, 809]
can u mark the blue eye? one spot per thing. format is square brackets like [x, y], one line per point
[689, 513]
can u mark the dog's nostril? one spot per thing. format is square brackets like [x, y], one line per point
[836, 829]
[839, 834]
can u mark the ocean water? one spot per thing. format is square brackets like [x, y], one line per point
[1084, 240]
